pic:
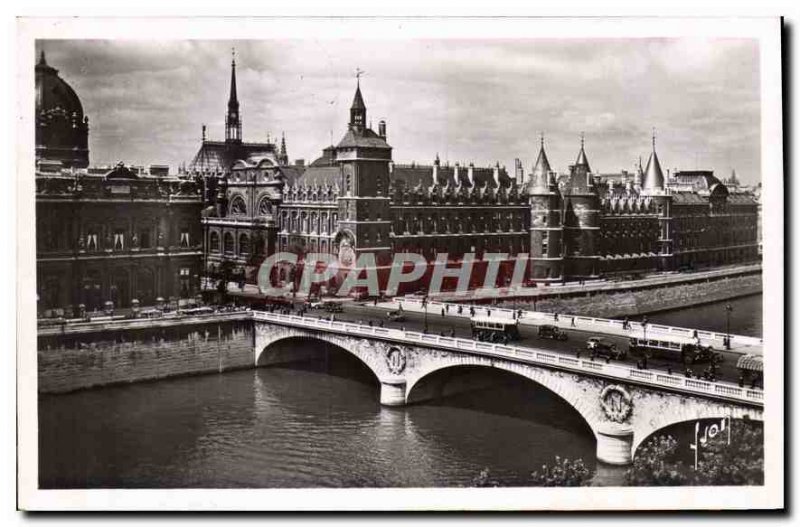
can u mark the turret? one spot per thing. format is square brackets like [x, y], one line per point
[654, 177]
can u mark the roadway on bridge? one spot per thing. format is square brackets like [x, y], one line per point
[437, 324]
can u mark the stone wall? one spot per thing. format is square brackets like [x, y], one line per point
[652, 299]
[84, 357]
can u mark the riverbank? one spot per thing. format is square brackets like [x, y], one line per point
[635, 298]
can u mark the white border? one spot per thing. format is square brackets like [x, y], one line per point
[767, 31]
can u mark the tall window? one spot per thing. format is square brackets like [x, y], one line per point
[119, 240]
[184, 238]
[228, 243]
[214, 242]
[91, 241]
[244, 244]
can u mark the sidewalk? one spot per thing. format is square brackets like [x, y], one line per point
[603, 326]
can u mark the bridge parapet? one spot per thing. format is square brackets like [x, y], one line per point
[742, 343]
[715, 390]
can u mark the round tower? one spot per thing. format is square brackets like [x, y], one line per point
[581, 222]
[546, 255]
[655, 188]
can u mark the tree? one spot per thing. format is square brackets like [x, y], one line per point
[740, 463]
[656, 463]
[563, 473]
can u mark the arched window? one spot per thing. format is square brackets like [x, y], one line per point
[264, 207]
[228, 243]
[238, 207]
[214, 242]
[244, 244]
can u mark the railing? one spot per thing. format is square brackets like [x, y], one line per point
[655, 331]
[528, 355]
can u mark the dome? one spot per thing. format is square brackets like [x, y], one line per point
[53, 94]
[62, 130]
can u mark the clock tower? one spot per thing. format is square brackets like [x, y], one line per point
[364, 214]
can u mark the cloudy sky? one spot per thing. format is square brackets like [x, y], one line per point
[469, 100]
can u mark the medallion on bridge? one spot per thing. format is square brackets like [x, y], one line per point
[396, 360]
[617, 403]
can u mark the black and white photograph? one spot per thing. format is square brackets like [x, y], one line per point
[352, 264]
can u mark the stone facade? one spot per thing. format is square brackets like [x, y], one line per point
[580, 225]
[113, 234]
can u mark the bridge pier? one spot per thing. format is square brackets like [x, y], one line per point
[615, 444]
[393, 393]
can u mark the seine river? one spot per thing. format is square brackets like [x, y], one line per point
[317, 425]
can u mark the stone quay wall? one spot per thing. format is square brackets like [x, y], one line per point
[649, 299]
[84, 355]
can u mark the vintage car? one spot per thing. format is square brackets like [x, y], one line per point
[600, 347]
[396, 315]
[333, 307]
[551, 332]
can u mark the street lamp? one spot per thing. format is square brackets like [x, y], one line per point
[644, 328]
[728, 309]
[425, 307]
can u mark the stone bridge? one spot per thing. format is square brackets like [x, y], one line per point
[621, 405]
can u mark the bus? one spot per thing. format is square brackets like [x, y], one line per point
[687, 351]
[500, 330]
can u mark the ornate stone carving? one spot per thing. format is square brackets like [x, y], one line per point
[616, 403]
[396, 360]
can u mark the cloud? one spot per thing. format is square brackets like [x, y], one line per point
[468, 100]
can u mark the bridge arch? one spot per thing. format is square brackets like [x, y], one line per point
[265, 345]
[561, 384]
[646, 428]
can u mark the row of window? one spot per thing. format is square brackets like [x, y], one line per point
[54, 238]
[228, 246]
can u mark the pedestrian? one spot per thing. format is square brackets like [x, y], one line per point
[555, 317]
[669, 370]
[644, 362]
[488, 312]
[578, 354]
[471, 311]
[453, 332]
[447, 308]
[460, 310]
[626, 323]
[442, 312]
[376, 301]
[573, 322]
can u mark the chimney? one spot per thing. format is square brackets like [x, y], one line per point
[519, 172]
[382, 128]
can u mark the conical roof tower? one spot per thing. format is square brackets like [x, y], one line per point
[653, 176]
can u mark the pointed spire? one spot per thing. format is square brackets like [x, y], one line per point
[582, 160]
[283, 144]
[654, 177]
[42, 61]
[358, 110]
[541, 170]
[233, 99]
[233, 122]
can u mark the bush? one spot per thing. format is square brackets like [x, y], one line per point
[563, 473]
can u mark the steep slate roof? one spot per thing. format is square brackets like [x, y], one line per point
[365, 139]
[221, 155]
[319, 176]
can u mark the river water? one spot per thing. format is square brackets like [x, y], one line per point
[317, 424]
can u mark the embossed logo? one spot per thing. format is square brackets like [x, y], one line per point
[396, 360]
[617, 403]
